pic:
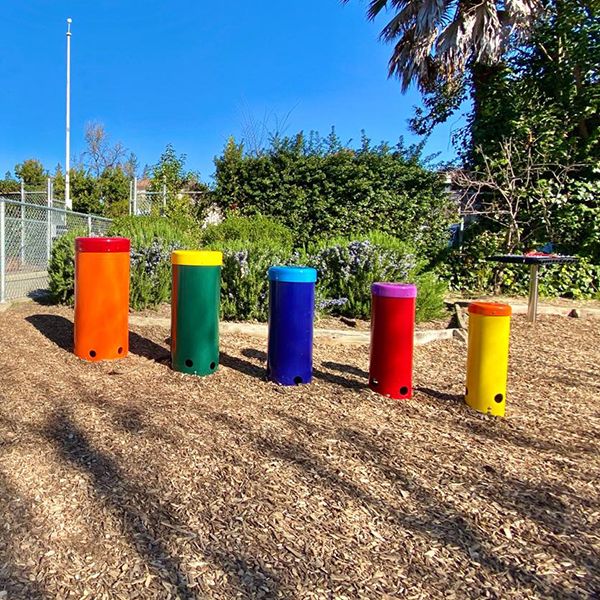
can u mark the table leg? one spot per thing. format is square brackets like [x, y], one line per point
[533, 293]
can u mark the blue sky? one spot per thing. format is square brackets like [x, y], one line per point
[193, 73]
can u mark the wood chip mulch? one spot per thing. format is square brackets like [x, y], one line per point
[128, 480]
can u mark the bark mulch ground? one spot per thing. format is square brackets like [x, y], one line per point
[127, 480]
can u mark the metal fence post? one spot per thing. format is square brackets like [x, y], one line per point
[49, 191]
[22, 224]
[49, 219]
[164, 195]
[135, 196]
[2, 255]
[89, 220]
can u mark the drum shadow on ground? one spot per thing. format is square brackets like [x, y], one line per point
[444, 396]
[343, 368]
[353, 384]
[57, 329]
[146, 348]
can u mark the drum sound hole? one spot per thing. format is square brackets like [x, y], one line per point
[403, 390]
[120, 350]
[189, 363]
[93, 353]
[212, 365]
[498, 398]
[297, 380]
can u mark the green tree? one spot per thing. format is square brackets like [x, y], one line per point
[451, 47]
[436, 41]
[9, 185]
[549, 92]
[319, 187]
[113, 192]
[32, 173]
[171, 175]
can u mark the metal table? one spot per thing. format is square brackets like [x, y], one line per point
[534, 261]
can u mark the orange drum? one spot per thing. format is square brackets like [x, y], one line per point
[101, 298]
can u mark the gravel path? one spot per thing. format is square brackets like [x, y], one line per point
[127, 480]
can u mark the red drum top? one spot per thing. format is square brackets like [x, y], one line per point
[102, 244]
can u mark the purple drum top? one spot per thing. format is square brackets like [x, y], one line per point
[394, 290]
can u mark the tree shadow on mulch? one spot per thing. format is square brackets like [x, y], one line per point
[353, 384]
[147, 521]
[57, 329]
[16, 579]
[508, 432]
[437, 519]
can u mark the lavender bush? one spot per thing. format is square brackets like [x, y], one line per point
[151, 274]
[347, 267]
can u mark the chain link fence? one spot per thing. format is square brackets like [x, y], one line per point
[27, 231]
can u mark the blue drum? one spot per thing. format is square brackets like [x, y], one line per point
[291, 316]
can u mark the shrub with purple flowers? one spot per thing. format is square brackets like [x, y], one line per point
[347, 267]
[244, 284]
[152, 241]
[151, 274]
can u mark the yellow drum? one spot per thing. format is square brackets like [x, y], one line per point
[487, 357]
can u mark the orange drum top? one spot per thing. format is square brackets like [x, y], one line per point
[490, 309]
[102, 244]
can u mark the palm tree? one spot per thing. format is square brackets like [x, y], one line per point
[436, 40]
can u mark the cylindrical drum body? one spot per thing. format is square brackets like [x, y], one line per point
[101, 327]
[487, 357]
[195, 302]
[392, 339]
[291, 317]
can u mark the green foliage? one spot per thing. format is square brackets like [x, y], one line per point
[61, 269]
[32, 173]
[152, 241]
[250, 245]
[256, 231]
[142, 231]
[467, 271]
[319, 187]
[106, 195]
[150, 277]
[348, 266]
[8, 185]
[113, 192]
[170, 175]
[244, 284]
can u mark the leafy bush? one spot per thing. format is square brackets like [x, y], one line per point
[150, 278]
[319, 187]
[467, 271]
[244, 283]
[348, 266]
[250, 245]
[61, 270]
[152, 241]
[256, 231]
[142, 231]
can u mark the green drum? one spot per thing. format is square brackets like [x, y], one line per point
[195, 311]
